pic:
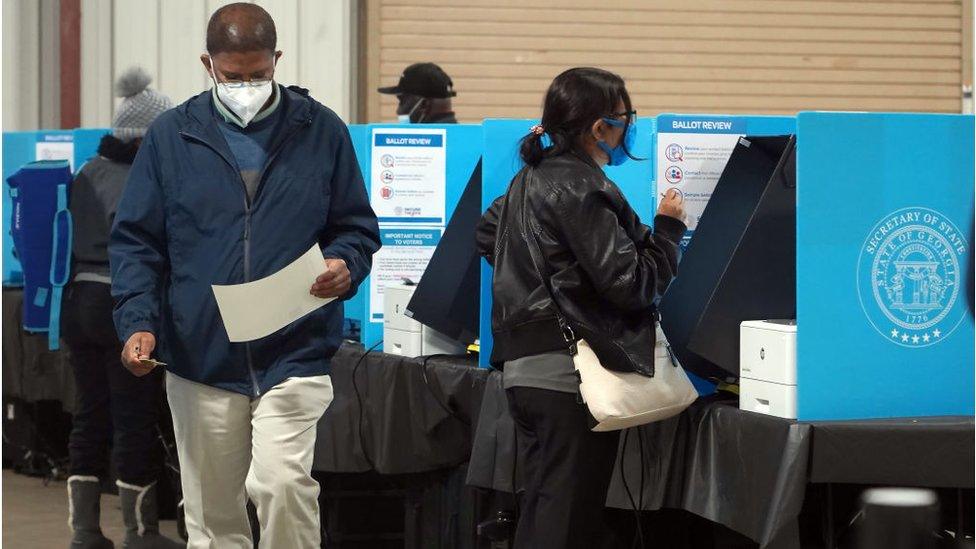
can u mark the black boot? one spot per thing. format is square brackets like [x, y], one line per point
[84, 494]
[140, 512]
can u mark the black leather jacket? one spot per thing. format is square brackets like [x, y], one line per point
[605, 266]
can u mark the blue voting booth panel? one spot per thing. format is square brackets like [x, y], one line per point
[86, 144]
[884, 233]
[355, 308]
[499, 165]
[463, 148]
[19, 148]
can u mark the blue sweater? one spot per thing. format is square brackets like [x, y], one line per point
[185, 223]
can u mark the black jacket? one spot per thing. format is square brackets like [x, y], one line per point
[95, 195]
[606, 268]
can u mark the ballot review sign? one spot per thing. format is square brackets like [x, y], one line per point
[408, 175]
[408, 191]
[691, 155]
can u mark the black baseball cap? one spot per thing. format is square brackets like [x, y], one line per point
[423, 79]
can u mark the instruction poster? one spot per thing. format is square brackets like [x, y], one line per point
[408, 175]
[55, 147]
[404, 256]
[691, 155]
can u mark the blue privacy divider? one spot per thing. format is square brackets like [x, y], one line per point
[500, 163]
[884, 233]
[86, 144]
[355, 308]
[463, 148]
[19, 148]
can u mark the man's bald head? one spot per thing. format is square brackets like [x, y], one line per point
[240, 28]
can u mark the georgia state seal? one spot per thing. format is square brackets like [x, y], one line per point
[909, 277]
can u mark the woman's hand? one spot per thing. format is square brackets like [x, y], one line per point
[672, 205]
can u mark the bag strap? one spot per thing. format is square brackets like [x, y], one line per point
[537, 257]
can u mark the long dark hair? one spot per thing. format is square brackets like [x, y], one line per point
[575, 100]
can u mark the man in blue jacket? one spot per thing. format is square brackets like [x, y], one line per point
[230, 187]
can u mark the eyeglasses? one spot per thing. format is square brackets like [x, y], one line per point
[612, 119]
[238, 84]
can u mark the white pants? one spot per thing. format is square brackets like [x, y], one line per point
[232, 448]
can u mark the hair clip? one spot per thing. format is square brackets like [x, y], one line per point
[537, 129]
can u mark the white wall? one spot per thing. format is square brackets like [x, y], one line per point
[166, 37]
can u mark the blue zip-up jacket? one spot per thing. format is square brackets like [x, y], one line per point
[184, 223]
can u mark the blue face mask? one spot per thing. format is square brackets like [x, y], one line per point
[618, 155]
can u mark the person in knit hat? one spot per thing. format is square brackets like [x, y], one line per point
[115, 408]
[139, 107]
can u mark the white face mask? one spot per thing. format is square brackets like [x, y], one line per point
[406, 118]
[244, 99]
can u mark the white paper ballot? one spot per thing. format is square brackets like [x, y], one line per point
[260, 308]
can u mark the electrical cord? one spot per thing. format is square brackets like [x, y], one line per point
[437, 399]
[359, 401]
[630, 496]
[643, 467]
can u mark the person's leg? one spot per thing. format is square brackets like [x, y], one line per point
[91, 429]
[280, 481]
[574, 467]
[213, 441]
[527, 471]
[135, 412]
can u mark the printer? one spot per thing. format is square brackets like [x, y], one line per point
[767, 367]
[405, 336]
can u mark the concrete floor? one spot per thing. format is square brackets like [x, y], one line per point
[36, 516]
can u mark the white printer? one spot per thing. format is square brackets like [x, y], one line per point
[405, 336]
[767, 367]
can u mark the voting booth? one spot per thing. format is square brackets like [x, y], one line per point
[415, 176]
[884, 237]
[883, 222]
[19, 148]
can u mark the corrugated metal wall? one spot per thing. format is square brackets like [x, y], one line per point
[756, 56]
[166, 37]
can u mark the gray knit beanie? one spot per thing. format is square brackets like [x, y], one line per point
[140, 104]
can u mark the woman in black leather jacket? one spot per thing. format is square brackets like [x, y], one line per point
[603, 265]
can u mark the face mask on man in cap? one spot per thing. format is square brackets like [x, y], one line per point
[411, 109]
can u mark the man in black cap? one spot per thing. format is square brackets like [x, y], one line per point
[424, 95]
